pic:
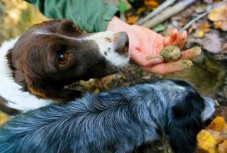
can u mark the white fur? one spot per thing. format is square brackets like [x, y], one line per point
[104, 46]
[10, 90]
[24, 101]
[209, 108]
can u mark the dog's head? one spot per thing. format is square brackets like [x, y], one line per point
[56, 53]
[188, 113]
[193, 102]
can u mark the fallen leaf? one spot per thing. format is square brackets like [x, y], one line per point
[218, 136]
[206, 142]
[217, 124]
[3, 118]
[152, 4]
[199, 34]
[218, 14]
[159, 27]
[222, 148]
[212, 42]
[221, 24]
[219, 17]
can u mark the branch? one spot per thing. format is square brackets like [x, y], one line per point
[169, 12]
[202, 15]
[156, 11]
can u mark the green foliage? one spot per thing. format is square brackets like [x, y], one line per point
[122, 6]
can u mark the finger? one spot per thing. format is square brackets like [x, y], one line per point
[168, 68]
[170, 39]
[143, 60]
[191, 53]
[181, 39]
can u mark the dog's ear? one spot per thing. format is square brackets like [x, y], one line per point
[37, 87]
[17, 74]
[32, 83]
[186, 122]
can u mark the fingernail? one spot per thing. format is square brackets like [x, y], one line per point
[196, 49]
[158, 59]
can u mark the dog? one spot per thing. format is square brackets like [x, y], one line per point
[51, 55]
[114, 121]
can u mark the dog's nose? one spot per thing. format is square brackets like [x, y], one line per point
[122, 42]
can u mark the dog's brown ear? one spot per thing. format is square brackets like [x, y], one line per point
[41, 90]
[32, 83]
[19, 77]
[17, 74]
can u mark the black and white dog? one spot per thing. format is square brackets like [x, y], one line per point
[115, 121]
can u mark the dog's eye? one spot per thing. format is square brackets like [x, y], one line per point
[63, 58]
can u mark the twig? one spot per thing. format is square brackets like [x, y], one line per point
[201, 16]
[168, 13]
[164, 145]
[156, 11]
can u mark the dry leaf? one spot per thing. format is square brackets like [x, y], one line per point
[3, 118]
[222, 148]
[221, 24]
[217, 124]
[218, 137]
[218, 14]
[219, 17]
[225, 128]
[152, 4]
[206, 142]
[132, 19]
[199, 34]
[212, 42]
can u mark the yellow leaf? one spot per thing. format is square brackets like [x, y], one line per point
[222, 148]
[132, 19]
[151, 3]
[217, 124]
[199, 33]
[206, 142]
[225, 128]
[219, 17]
[3, 118]
[218, 14]
[218, 137]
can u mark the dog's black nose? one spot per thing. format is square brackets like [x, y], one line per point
[121, 43]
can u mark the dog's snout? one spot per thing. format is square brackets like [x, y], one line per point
[121, 42]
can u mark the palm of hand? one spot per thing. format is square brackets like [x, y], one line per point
[145, 42]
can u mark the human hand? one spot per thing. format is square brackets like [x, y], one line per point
[144, 42]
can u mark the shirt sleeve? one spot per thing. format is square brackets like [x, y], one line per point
[89, 15]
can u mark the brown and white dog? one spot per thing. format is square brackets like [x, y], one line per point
[35, 68]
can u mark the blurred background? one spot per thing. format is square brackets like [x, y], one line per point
[15, 17]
